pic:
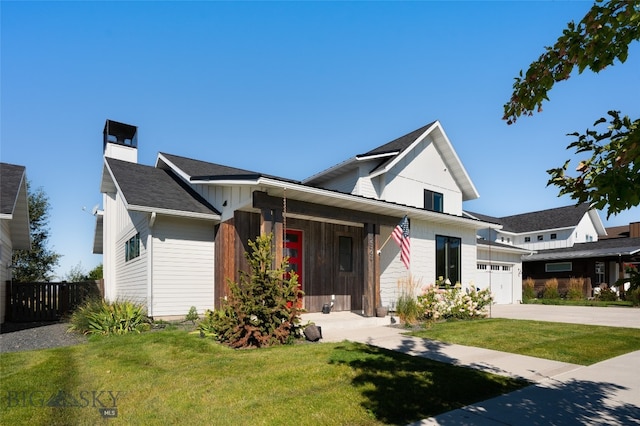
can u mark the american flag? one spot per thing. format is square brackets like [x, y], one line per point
[401, 237]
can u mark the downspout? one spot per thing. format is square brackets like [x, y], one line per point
[152, 221]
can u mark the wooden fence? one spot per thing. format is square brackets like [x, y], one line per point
[30, 302]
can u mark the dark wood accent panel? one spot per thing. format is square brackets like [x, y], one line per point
[371, 264]
[262, 200]
[322, 277]
[232, 242]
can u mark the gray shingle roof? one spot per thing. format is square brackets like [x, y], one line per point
[397, 145]
[156, 188]
[600, 248]
[560, 217]
[10, 178]
[197, 169]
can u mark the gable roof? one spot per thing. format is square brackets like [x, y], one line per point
[556, 218]
[202, 172]
[150, 189]
[392, 152]
[14, 204]
[600, 248]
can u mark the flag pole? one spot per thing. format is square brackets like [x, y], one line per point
[384, 244]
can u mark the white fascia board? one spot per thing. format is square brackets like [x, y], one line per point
[228, 182]
[514, 249]
[597, 222]
[537, 231]
[169, 212]
[6, 216]
[173, 167]
[373, 157]
[392, 209]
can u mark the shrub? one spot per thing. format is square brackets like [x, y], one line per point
[551, 289]
[453, 302]
[192, 315]
[263, 308]
[606, 294]
[528, 290]
[634, 296]
[574, 292]
[98, 316]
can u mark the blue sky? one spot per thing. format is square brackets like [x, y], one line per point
[288, 88]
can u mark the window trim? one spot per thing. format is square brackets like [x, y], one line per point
[132, 248]
[433, 199]
[558, 267]
[458, 262]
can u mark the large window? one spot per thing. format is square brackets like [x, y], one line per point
[345, 254]
[558, 267]
[448, 258]
[132, 248]
[433, 201]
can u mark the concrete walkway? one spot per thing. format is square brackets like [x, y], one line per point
[562, 393]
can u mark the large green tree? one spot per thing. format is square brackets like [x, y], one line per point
[608, 170]
[37, 264]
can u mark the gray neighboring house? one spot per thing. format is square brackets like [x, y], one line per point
[14, 223]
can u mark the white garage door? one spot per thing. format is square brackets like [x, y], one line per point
[499, 278]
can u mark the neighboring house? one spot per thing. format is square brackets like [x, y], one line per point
[14, 223]
[172, 235]
[568, 242]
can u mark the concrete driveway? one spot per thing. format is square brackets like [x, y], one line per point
[608, 316]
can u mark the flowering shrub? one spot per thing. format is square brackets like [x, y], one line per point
[438, 302]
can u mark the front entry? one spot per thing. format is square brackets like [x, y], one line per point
[293, 250]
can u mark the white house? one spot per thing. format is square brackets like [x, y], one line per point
[14, 223]
[172, 235]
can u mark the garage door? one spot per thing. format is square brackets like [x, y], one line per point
[499, 278]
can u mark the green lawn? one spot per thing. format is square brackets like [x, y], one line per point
[171, 377]
[574, 343]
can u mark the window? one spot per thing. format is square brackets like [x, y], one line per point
[433, 201]
[482, 267]
[448, 258]
[527, 239]
[600, 272]
[554, 236]
[540, 237]
[495, 267]
[558, 267]
[132, 248]
[345, 254]
[506, 268]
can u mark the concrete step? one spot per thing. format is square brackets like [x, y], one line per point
[344, 320]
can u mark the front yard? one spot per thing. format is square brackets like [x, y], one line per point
[171, 377]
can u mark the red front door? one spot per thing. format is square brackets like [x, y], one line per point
[293, 250]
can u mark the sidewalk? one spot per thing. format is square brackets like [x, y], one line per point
[562, 393]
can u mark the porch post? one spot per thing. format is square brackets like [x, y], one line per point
[271, 221]
[371, 271]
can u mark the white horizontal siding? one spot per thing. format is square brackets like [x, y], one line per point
[183, 266]
[423, 258]
[131, 276]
